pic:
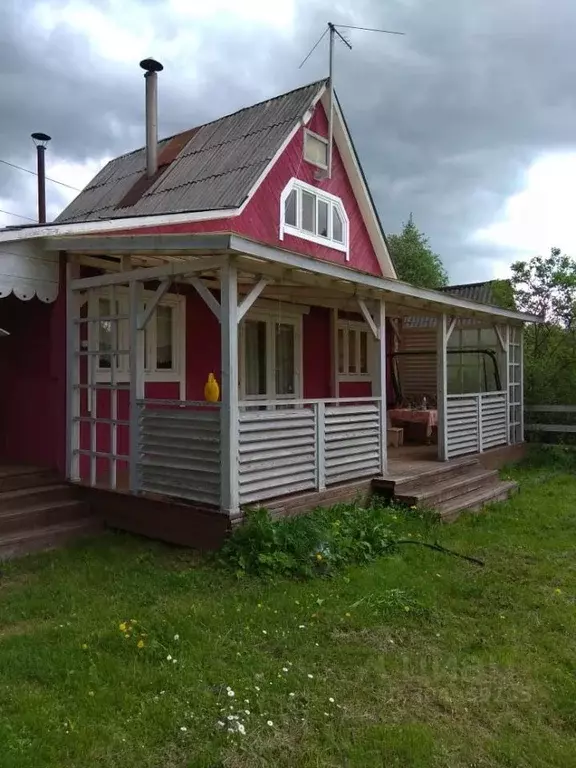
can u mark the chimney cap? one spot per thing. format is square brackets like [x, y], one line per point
[151, 65]
[40, 138]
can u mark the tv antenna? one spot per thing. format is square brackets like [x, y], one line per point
[333, 31]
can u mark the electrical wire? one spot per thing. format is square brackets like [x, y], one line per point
[18, 215]
[369, 29]
[33, 173]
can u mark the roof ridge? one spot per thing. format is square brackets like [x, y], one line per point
[323, 81]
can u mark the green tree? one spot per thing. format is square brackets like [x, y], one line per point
[415, 262]
[546, 287]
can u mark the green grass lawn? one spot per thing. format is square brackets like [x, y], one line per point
[419, 659]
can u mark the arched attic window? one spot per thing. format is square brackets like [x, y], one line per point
[314, 215]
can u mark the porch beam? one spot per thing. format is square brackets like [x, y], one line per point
[144, 317]
[442, 384]
[206, 295]
[251, 297]
[229, 492]
[174, 269]
[503, 342]
[450, 328]
[380, 385]
[136, 364]
[72, 377]
[368, 317]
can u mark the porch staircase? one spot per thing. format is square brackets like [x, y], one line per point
[449, 489]
[39, 512]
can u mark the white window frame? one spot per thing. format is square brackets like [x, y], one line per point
[271, 316]
[357, 327]
[318, 137]
[122, 372]
[320, 195]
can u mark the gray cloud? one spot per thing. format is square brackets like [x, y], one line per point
[446, 119]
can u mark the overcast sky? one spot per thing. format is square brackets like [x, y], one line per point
[468, 121]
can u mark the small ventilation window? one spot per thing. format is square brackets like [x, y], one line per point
[315, 149]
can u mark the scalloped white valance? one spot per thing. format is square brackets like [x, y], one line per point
[26, 271]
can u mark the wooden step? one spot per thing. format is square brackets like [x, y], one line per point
[475, 500]
[34, 495]
[15, 478]
[444, 489]
[49, 537]
[42, 515]
[419, 479]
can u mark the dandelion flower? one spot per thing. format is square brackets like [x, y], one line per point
[221, 724]
[174, 661]
[558, 591]
[348, 615]
[84, 647]
[140, 644]
[176, 637]
[270, 723]
[302, 626]
[264, 632]
[310, 676]
[230, 693]
[246, 711]
[331, 700]
[90, 693]
[284, 669]
[169, 658]
[241, 729]
[183, 728]
[256, 688]
[292, 694]
[122, 626]
[319, 556]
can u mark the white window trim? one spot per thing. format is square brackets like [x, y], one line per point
[122, 373]
[296, 231]
[269, 315]
[358, 327]
[323, 139]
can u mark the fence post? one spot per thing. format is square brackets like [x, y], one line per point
[320, 413]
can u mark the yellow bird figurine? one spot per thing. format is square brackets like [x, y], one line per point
[211, 389]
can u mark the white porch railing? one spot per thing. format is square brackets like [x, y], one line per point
[179, 449]
[476, 422]
[299, 445]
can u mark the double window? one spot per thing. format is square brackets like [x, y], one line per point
[270, 356]
[314, 215]
[163, 337]
[355, 350]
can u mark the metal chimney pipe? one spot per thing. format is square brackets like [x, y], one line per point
[41, 140]
[151, 67]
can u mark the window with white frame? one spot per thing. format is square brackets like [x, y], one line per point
[354, 351]
[164, 337]
[313, 214]
[315, 149]
[270, 356]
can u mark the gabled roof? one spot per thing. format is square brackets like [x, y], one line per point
[211, 167]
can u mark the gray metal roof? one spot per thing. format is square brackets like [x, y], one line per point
[215, 169]
[483, 293]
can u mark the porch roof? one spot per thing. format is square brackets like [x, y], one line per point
[277, 264]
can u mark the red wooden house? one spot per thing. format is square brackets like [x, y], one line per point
[250, 248]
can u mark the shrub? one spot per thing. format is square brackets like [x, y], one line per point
[309, 545]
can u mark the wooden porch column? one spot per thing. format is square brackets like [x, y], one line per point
[521, 353]
[380, 383]
[229, 500]
[442, 384]
[72, 376]
[136, 364]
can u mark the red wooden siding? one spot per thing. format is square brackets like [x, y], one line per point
[261, 219]
[33, 381]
